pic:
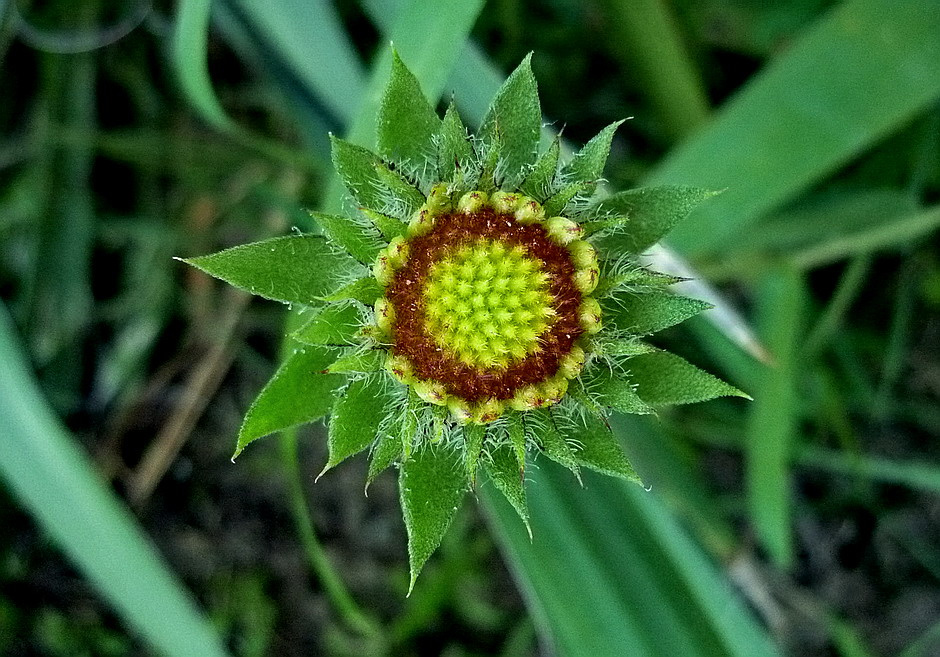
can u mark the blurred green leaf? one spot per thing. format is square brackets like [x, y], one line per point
[54, 480]
[188, 50]
[431, 486]
[857, 74]
[774, 415]
[291, 269]
[299, 392]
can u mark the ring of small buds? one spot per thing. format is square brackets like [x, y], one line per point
[485, 303]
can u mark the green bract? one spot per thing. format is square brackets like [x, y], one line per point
[476, 305]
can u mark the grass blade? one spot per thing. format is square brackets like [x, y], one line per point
[55, 482]
[189, 58]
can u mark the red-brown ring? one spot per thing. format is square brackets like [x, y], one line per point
[412, 340]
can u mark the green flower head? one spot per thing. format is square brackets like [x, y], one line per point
[476, 305]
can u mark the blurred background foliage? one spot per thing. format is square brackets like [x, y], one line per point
[804, 523]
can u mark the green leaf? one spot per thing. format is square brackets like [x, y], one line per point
[598, 449]
[554, 445]
[432, 484]
[454, 149]
[365, 290]
[292, 269]
[473, 436]
[46, 471]
[502, 467]
[773, 422]
[653, 212]
[188, 54]
[625, 347]
[299, 392]
[517, 436]
[406, 121]
[649, 311]
[359, 361]
[616, 392]
[355, 419]
[513, 123]
[370, 182]
[387, 451]
[663, 378]
[540, 181]
[390, 227]
[588, 164]
[332, 325]
[558, 202]
[358, 241]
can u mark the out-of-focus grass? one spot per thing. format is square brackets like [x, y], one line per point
[824, 128]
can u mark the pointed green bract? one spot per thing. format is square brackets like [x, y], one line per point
[588, 164]
[387, 451]
[390, 227]
[616, 392]
[365, 290]
[292, 269]
[554, 445]
[432, 484]
[517, 436]
[623, 347]
[503, 470]
[539, 182]
[599, 450]
[332, 325]
[355, 419]
[371, 183]
[473, 437]
[558, 202]
[454, 150]
[406, 121]
[360, 361]
[653, 212]
[298, 393]
[358, 241]
[650, 311]
[513, 122]
[663, 379]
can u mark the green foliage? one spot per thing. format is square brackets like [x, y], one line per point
[298, 392]
[617, 392]
[650, 311]
[292, 269]
[663, 379]
[540, 181]
[588, 164]
[371, 183]
[453, 144]
[502, 468]
[355, 419]
[361, 244]
[334, 325]
[597, 449]
[364, 290]
[432, 485]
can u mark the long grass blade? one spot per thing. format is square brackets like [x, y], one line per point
[54, 481]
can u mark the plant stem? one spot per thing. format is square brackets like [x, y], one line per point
[336, 591]
[644, 39]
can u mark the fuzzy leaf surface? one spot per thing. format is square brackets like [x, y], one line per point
[406, 121]
[365, 291]
[539, 182]
[360, 361]
[502, 467]
[616, 392]
[653, 212]
[291, 269]
[298, 393]
[588, 164]
[331, 325]
[454, 149]
[355, 420]
[599, 450]
[651, 311]
[513, 121]
[358, 241]
[369, 181]
[473, 436]
[558, 202]
[432, 484]
[390, 227]
[663, 378]
[387, 451]
[554, 445]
